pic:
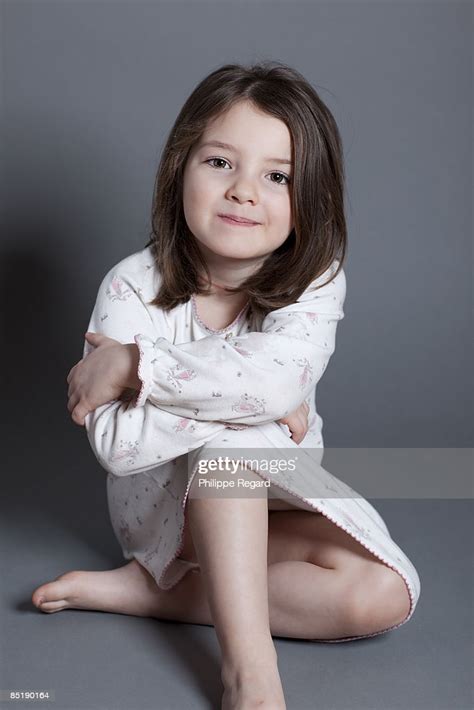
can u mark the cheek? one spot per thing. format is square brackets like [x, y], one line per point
[281, 215]
[192, 198]
[197, 206]
[197, 194]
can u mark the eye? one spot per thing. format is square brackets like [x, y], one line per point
[222, 160]
[283, 176]
[211, 159]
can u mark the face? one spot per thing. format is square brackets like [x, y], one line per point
[245, 180]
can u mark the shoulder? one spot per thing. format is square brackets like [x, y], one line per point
[136, 265]
[136, 271]
[317, 299]
[330, 285]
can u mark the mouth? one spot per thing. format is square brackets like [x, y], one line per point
[238, 221]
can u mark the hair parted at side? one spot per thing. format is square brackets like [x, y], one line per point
[317, 189]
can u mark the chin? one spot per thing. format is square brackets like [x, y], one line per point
[232, 250]
[236, 254]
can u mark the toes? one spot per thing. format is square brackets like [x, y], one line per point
[55, 592]
[43, 594]
[50, 607]
[39, 596]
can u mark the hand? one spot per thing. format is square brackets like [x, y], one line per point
[297, 422]
[101, 377]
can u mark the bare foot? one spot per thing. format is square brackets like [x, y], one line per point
[132, 590]
[127, 590]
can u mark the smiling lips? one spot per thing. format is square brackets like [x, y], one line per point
[238, 221]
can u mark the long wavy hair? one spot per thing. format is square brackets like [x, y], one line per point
[316, 191]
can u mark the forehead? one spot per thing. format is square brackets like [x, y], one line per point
[243, 126]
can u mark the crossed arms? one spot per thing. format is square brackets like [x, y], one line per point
[192, 391]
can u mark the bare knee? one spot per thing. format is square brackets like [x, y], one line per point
[379, 599]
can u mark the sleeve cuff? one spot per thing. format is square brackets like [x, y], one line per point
[145, 368]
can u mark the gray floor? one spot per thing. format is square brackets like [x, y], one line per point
[94, 660]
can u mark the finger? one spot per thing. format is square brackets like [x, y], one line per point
[98, 339]
[72, 403]
[303, 420]
[73, 369]
[79, 414]
[300, 429]
[73, 384]
[297, 432]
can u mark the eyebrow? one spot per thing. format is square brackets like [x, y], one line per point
[227, 146]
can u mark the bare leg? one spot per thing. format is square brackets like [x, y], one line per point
[306, 601]
[231, 537]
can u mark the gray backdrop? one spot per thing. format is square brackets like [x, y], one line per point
[90, 91]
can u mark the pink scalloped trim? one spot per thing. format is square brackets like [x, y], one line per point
[141, 397]
[319, 510]
[220, 330]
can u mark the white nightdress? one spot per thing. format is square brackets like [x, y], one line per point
[204, 389]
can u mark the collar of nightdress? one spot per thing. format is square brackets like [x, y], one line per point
[215, 331]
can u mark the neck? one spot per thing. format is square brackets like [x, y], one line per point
[227, 271]
[217, 288]
[221, 286]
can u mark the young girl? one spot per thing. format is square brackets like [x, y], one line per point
[214, 336]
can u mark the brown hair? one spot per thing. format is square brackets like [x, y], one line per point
[316, 190]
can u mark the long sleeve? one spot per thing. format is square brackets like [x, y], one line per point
[253, 378]
[127, 439]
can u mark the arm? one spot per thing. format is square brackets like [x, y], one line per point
[126, 439]
[253, 378]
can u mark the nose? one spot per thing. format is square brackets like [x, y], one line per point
[242, 190]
